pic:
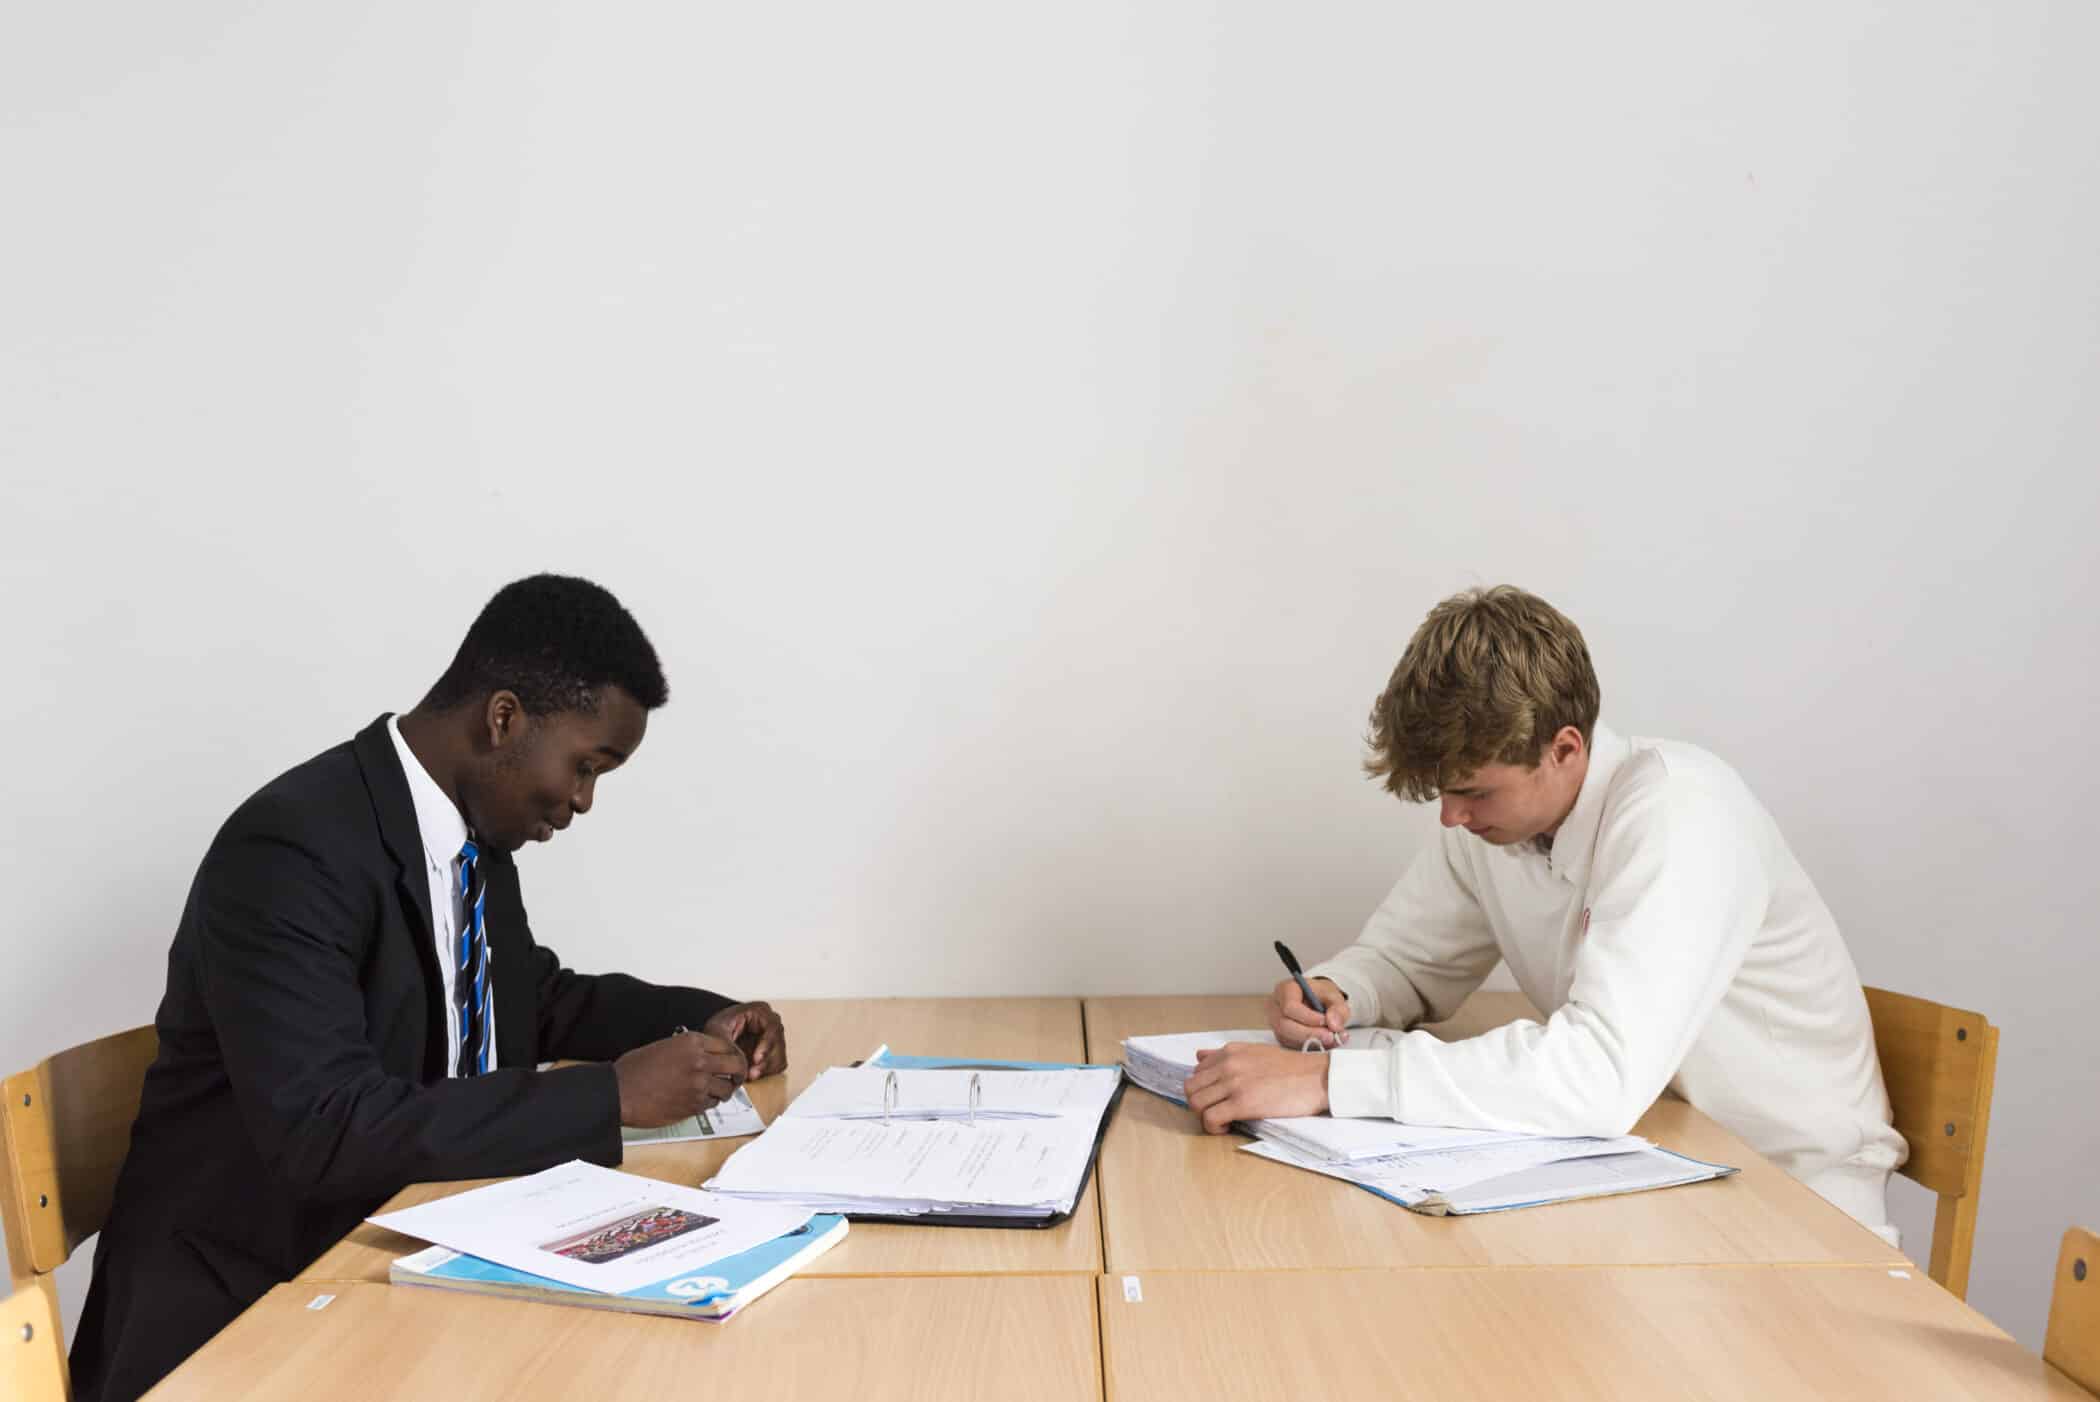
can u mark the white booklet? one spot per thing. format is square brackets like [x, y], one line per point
[732, 1119]
[594, 1227]
[1451, 1186]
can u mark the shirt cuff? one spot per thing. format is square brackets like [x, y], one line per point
[1361, 1084]
[1363, 999]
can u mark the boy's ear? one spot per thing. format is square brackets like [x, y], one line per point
[503, 719]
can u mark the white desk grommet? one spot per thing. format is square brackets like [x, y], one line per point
[1899, 1275]
[320, 1302]
[1132, 1294]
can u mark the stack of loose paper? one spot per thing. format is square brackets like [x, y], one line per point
[583, 1235]
[1161, 1064]
[1426, 1168]
[1022, 1153]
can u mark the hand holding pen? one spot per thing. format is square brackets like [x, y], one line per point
[1305, 1010]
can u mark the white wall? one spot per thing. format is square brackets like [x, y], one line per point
[1030, 435]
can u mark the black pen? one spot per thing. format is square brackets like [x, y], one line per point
[1290, 961]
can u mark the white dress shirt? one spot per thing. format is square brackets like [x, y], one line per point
[1671, 940]
[444, 832]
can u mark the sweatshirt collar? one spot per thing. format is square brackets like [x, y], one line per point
[1576, 842]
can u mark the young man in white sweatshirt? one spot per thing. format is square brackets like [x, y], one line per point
[1642, 897]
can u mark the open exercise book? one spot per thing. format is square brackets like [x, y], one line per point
[926, 1139]
[1426, 1168]
[578, 1234]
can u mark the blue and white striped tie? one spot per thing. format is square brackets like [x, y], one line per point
[470, 988]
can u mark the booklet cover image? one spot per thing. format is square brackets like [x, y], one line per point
[623, 1236]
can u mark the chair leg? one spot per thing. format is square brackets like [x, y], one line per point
[1953, 1238]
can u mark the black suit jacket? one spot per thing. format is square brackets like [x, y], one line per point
[301, 1076]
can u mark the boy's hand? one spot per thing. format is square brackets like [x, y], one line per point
[1294, 1022]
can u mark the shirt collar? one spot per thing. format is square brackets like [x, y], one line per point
[444, 832]
[1576, 842]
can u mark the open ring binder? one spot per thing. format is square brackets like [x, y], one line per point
[889, 1096]
[973, 1150]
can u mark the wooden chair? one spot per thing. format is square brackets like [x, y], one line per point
[65, 1125]
[1940, 1064]
[2073, 1342]
[32, 1365]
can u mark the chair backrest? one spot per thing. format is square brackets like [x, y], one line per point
[1939, 1064]
[32, 1365]
[67, 1123]
[2073, 1342]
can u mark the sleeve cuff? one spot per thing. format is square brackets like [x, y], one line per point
[608, 1145]
[1363, 999]
[1361, 1084]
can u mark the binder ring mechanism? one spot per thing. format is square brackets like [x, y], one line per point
[889, 1095]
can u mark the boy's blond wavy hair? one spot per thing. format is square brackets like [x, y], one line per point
[1489, 678]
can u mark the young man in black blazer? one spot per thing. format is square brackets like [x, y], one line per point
[355, 1001]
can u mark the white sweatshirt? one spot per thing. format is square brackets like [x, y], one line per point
[1671, 939]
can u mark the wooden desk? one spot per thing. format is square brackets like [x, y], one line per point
[1030, 1337]
[1715, 1332]
[1175, 1198]
[825, 1033]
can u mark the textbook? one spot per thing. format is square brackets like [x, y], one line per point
[713, 1290]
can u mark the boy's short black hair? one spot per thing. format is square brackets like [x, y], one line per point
[556, 641]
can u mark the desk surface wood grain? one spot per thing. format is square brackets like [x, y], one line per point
[1856, 1332]
[1027, 1337]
